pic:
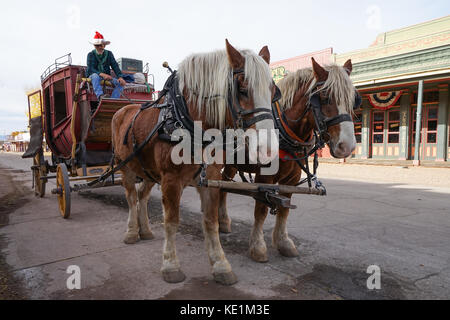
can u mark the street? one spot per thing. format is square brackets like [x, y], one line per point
[403, 227]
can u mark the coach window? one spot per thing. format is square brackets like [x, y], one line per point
[393, 126]
[378, 127]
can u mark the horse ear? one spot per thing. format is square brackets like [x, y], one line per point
[319, 72]
[348, 66]
[265, 54]
[235, 58]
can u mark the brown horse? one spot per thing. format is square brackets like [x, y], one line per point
[337, 97]
[205, 81]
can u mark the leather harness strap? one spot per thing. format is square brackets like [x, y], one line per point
[286, 126]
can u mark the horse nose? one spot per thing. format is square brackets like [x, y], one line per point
[345, 149]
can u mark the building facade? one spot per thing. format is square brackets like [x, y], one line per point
[403, 72]
[404, 79]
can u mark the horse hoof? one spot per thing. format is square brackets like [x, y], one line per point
[131, 239]
[146, 236]
[224, 228]
[173, 276]
[226, 279]
[289, 251]
[259, 257]
[258, 252]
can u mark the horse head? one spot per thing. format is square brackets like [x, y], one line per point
[333, 98]
[233, 89]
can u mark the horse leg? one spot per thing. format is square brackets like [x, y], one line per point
[280, 237]
[171, 196]
[258, 248]
[128, 182]
[144, 190]
[221, 268]
[224, 220]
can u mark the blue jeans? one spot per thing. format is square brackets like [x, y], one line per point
[98, 89]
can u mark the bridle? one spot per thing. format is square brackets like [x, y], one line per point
[322, 122]
[238, 113]
[294, 145]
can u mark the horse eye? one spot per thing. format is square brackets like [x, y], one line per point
[243, 92]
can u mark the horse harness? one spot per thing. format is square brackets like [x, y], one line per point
[174, 115]
[295, 146]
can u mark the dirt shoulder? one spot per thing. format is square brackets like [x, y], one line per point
[12, 196]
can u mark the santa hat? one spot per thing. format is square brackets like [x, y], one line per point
[98, 39]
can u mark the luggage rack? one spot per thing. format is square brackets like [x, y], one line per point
[63, 61]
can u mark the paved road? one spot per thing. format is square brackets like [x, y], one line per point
[404, 229]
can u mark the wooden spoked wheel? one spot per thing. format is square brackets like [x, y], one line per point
[63, 190]
[39, 171]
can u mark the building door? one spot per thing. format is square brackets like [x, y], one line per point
[393, 134]
[378, 138]
[386, 134]
[357, 122]
[428, 134]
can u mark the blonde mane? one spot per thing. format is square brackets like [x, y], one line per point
[208, 77]
[338, 85]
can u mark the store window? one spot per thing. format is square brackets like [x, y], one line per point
[432, 122]
[357, 121]
[378, 127]
[394, 127]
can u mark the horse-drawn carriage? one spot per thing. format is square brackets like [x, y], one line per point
[224, 90]
[76, 126]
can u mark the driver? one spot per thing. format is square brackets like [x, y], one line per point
[99, 64]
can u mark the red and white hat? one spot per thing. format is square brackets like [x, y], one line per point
[98, 39]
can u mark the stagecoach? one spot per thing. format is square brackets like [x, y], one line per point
[75, 125]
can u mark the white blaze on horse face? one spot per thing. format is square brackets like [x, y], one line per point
[267, 135]
[346, 142]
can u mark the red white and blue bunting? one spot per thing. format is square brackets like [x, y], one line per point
[384, 100]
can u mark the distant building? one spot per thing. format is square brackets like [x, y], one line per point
[280, 68]
[387, 75]
[17, 142]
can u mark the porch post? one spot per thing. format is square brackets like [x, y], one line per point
[418, 123]
[442, 123]
[404, 120]
[365, 136]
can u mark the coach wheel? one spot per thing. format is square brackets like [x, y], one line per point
[39, 171]
[63, 190]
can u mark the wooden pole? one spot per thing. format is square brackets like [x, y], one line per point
[74, 115]
[257, 187]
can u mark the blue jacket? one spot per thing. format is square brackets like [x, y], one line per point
[92, 64]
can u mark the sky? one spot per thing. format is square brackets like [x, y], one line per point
[34, 33]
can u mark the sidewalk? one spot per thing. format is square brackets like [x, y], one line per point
[412, 176]
[374, 162]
